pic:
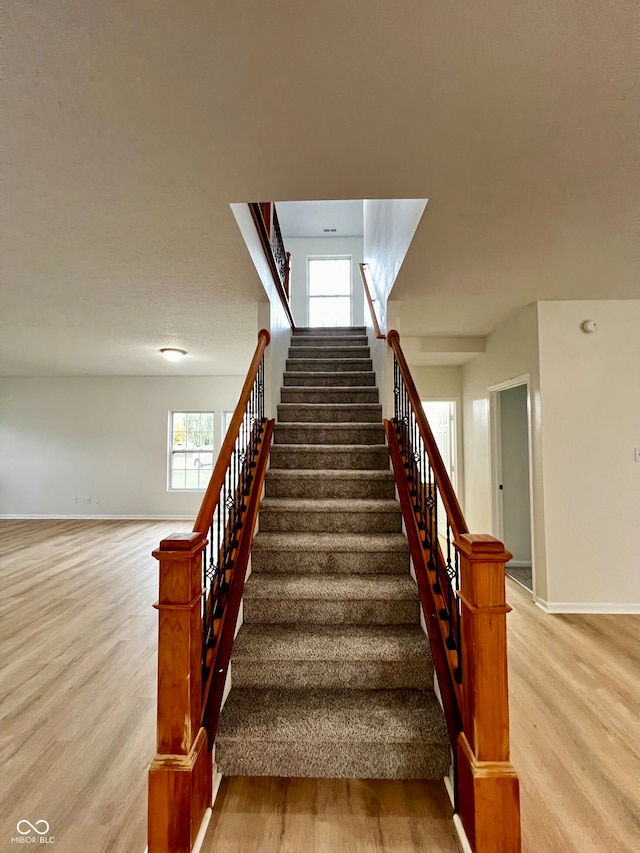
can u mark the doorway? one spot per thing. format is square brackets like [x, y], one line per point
[329, 291]
[512, 476]
[441, 415]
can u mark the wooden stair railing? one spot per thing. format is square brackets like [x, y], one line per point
[266, 221]
[201, 581]
[367, 293]
[461, 584]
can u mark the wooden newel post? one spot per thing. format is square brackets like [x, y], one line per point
[180, 774]
[488, 786]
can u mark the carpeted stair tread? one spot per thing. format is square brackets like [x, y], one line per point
[359, 657]
[330, 587]
[333, 542]
[328, 365]
[314, 341]
[336, 456]
[332, 643]
[333, 715]
[325, 351]
[345, 378]
[329, 434]
[319, 483]
[329, 515]
[391, 734]
[329, 331]
[323, 553]
[330, 474]
[328, 395]
[329, 413]
[331, 505]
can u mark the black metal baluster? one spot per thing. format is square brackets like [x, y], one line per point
[450, 573]
[425, 494]
[458, 606]
[435, 550]
[396, 393]
[205, 620]
[417, 442]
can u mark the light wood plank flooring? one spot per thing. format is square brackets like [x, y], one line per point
[273, 815]
[78, 639]
[574, 686]
[77, 718]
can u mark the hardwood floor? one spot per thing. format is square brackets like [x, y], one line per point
[77, 719]
[574, 685]
[274, 815]
[574, 697]
[78, 638]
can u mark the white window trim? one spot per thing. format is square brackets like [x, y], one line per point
[170, 450]
[333, 257]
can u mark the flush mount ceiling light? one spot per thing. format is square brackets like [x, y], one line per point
[173, 354]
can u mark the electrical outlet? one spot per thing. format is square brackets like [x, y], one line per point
[637, 454]
[75, 500]
[88, 500]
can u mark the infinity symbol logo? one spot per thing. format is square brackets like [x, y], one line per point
[33, 827]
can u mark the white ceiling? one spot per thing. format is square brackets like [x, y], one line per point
[321, 218]
[129, 128]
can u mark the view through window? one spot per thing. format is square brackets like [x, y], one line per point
[190, 449]
[330, 291]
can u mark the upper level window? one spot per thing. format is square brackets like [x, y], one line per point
[330, 291]
[190, 450]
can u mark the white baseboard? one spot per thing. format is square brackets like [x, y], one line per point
[448, 784]
[586, 607]
[462, 835]
[197, 844]
[95, 517]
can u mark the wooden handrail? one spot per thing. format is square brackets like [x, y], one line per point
[450, 690]
[214, 689]
[461, 584]
[200, 584]
[210, 500]
[367, 293]
[265, 238]
[445, 488]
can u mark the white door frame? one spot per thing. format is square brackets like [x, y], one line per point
[496, 460]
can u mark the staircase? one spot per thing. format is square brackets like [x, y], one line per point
[331, 672]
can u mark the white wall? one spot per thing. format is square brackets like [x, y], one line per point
[102, 438]
[591, 407]
[511, 351]
[270, 313]
[303, 247]
[271, 316]
[389, 226]
[437, 383]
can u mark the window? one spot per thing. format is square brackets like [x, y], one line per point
[329, 291]
[190, 449]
